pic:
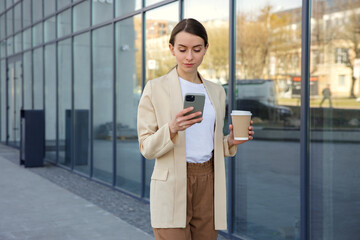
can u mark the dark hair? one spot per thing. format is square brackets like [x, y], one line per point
[189, 25]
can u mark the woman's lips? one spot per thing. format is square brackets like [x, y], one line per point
[188, 64]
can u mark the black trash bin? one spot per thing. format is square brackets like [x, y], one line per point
[32, 138]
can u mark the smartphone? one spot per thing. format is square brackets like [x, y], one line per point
[196, 100]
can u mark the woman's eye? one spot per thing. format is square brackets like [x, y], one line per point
[182, 50]
[197, 50]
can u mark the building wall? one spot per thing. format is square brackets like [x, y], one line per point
[85, 64]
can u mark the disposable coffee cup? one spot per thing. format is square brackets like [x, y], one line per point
[241, 123]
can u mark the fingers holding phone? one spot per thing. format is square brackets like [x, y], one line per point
[191, 114]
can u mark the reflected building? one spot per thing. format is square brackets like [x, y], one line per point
[85, 63]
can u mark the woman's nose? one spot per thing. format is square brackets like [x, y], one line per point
[189, 55]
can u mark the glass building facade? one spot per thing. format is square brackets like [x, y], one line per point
[294, 64]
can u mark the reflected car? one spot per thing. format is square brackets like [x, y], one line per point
[262, 110]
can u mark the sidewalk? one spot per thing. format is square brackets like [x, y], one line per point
[33, 208]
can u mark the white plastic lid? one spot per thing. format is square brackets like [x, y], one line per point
[239, 112]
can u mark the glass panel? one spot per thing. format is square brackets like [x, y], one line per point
[63, 3]
[26, 18]
[38, 78]
[27, 39]
[50, 102]
[159, 61]
[2, 27]
[37, 34]
[128, 78]
[150, 2]
[3, 48]
[27, 68]
[9, 3]
[17, 17]
[2, 6]
[101, 11]
[18, 43]
[64, 24]
[10, 46]
[49, 7]
[49, 31]
[268, 57]
[14, 88]
[102, 66]
[81, 16]
[81, 120]
[9, 22]
[2, 101]
[215, 19]
[123, 6]
[64, 101]
[37, 9]
[335, 125]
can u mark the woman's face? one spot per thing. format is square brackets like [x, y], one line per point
[189, 51]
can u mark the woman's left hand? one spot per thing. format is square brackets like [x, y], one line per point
[232, 141]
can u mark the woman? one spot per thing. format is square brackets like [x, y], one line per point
[188, 188]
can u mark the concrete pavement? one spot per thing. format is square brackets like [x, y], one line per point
[33, 208]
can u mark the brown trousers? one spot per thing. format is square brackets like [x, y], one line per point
[200, 206]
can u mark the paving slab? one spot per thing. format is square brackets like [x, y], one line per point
[33, 208]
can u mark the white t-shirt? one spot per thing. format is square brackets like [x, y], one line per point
[200, 136]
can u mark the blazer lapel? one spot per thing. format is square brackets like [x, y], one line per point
[175, 93]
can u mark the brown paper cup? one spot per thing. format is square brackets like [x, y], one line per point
[241, 123]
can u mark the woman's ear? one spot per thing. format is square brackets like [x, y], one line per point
[206, 47]
[171, 47]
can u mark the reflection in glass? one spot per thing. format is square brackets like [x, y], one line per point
[335, 119]
[101, 11]
[27, 39]
[214, 17]
[27, 80]
[128, 78]
[37, 10]
[64, 23]
[268, 53]
[9, 22]
[14, 100]
[50, 29]
[2, 27]
[38, 79]
[81, 16]
[159, 61]
[63, 3]
[81, 119]
[26, 13]
[10, 46]
[17, 17]
[50, 102]
[18, 43]
[49, 7]
[102, 67]
[64, 101]
[125, 6]
[37, 34]
[2, 101]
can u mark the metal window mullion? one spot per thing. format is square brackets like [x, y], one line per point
[57, 101]
[232, 69]
[305, 123]
[72, 111]
[143, 81]
[114, 104]
[91, 107]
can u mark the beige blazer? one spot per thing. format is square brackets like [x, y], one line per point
[160, 102]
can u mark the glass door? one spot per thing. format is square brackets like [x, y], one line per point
[14, 99]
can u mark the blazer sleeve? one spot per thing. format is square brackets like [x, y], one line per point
[154, 141]
[228, 152]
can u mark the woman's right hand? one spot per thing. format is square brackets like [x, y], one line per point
[181, 122]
